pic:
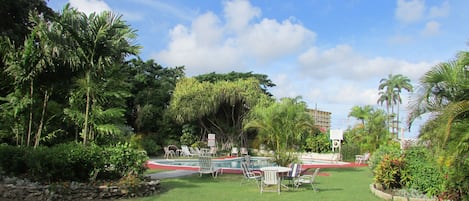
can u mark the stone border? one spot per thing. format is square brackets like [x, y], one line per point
[387, 196]
[75, 191]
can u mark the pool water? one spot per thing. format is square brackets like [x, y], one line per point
[235, 163]
[256, 162]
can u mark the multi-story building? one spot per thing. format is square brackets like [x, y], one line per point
[322, 119]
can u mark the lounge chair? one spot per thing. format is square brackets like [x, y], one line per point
[168, 152]
[194, 151]
[270, 178]
[206, 166]
[307, 179]
[234, 151]
[243, 151]
[185, 151]
[362, 158]
[249, 174]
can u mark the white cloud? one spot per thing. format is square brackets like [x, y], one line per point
[410, 11]
[238, 22]
[209, 45]
[90, 6]
[200, 50]
[342, 62]
[440, 11]
[270, 39]
[285, 86]
[432, 28]
[353, 94]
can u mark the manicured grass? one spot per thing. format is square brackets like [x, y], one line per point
[340, 184]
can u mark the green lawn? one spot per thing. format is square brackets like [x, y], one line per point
[341, 184]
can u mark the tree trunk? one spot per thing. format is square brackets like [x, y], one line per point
[85, 126]
[30, 124]
[41, 123]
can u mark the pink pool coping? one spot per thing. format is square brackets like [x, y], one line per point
[153, 165]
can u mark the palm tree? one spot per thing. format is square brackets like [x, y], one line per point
[281, 124]
[27, 63]
[390, 90]
[444, 93]
[99, 42]
[361, 113]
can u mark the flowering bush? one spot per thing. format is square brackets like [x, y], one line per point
[390, 172]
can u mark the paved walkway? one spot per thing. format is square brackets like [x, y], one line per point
[171, 174]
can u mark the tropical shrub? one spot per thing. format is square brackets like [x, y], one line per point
[72, 162]
[425, 175]
[378, 155]
[187, 137]
[12, 159]
[285, 158]
[349, 150]
[390, 172]
[121, 160]
[319, 143]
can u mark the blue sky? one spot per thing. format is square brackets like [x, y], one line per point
[332, 53]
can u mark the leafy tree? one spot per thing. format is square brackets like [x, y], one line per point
[281, 125]
[234, 76]
[15, 23]
[152, 85]
[218, 107]
[371, 133]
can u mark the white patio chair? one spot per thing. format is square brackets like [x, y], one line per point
[270, 178]
[362, 158]
[307, 179]
[185, 151]
[206, 166]
[250, 175]
[168, 152]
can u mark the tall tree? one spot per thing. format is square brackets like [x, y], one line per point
[390, 92]
[25, 63]
[100, 42]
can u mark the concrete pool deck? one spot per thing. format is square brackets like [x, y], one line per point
[171, 174]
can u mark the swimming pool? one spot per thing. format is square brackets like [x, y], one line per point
[226, 163]
[235, 163]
